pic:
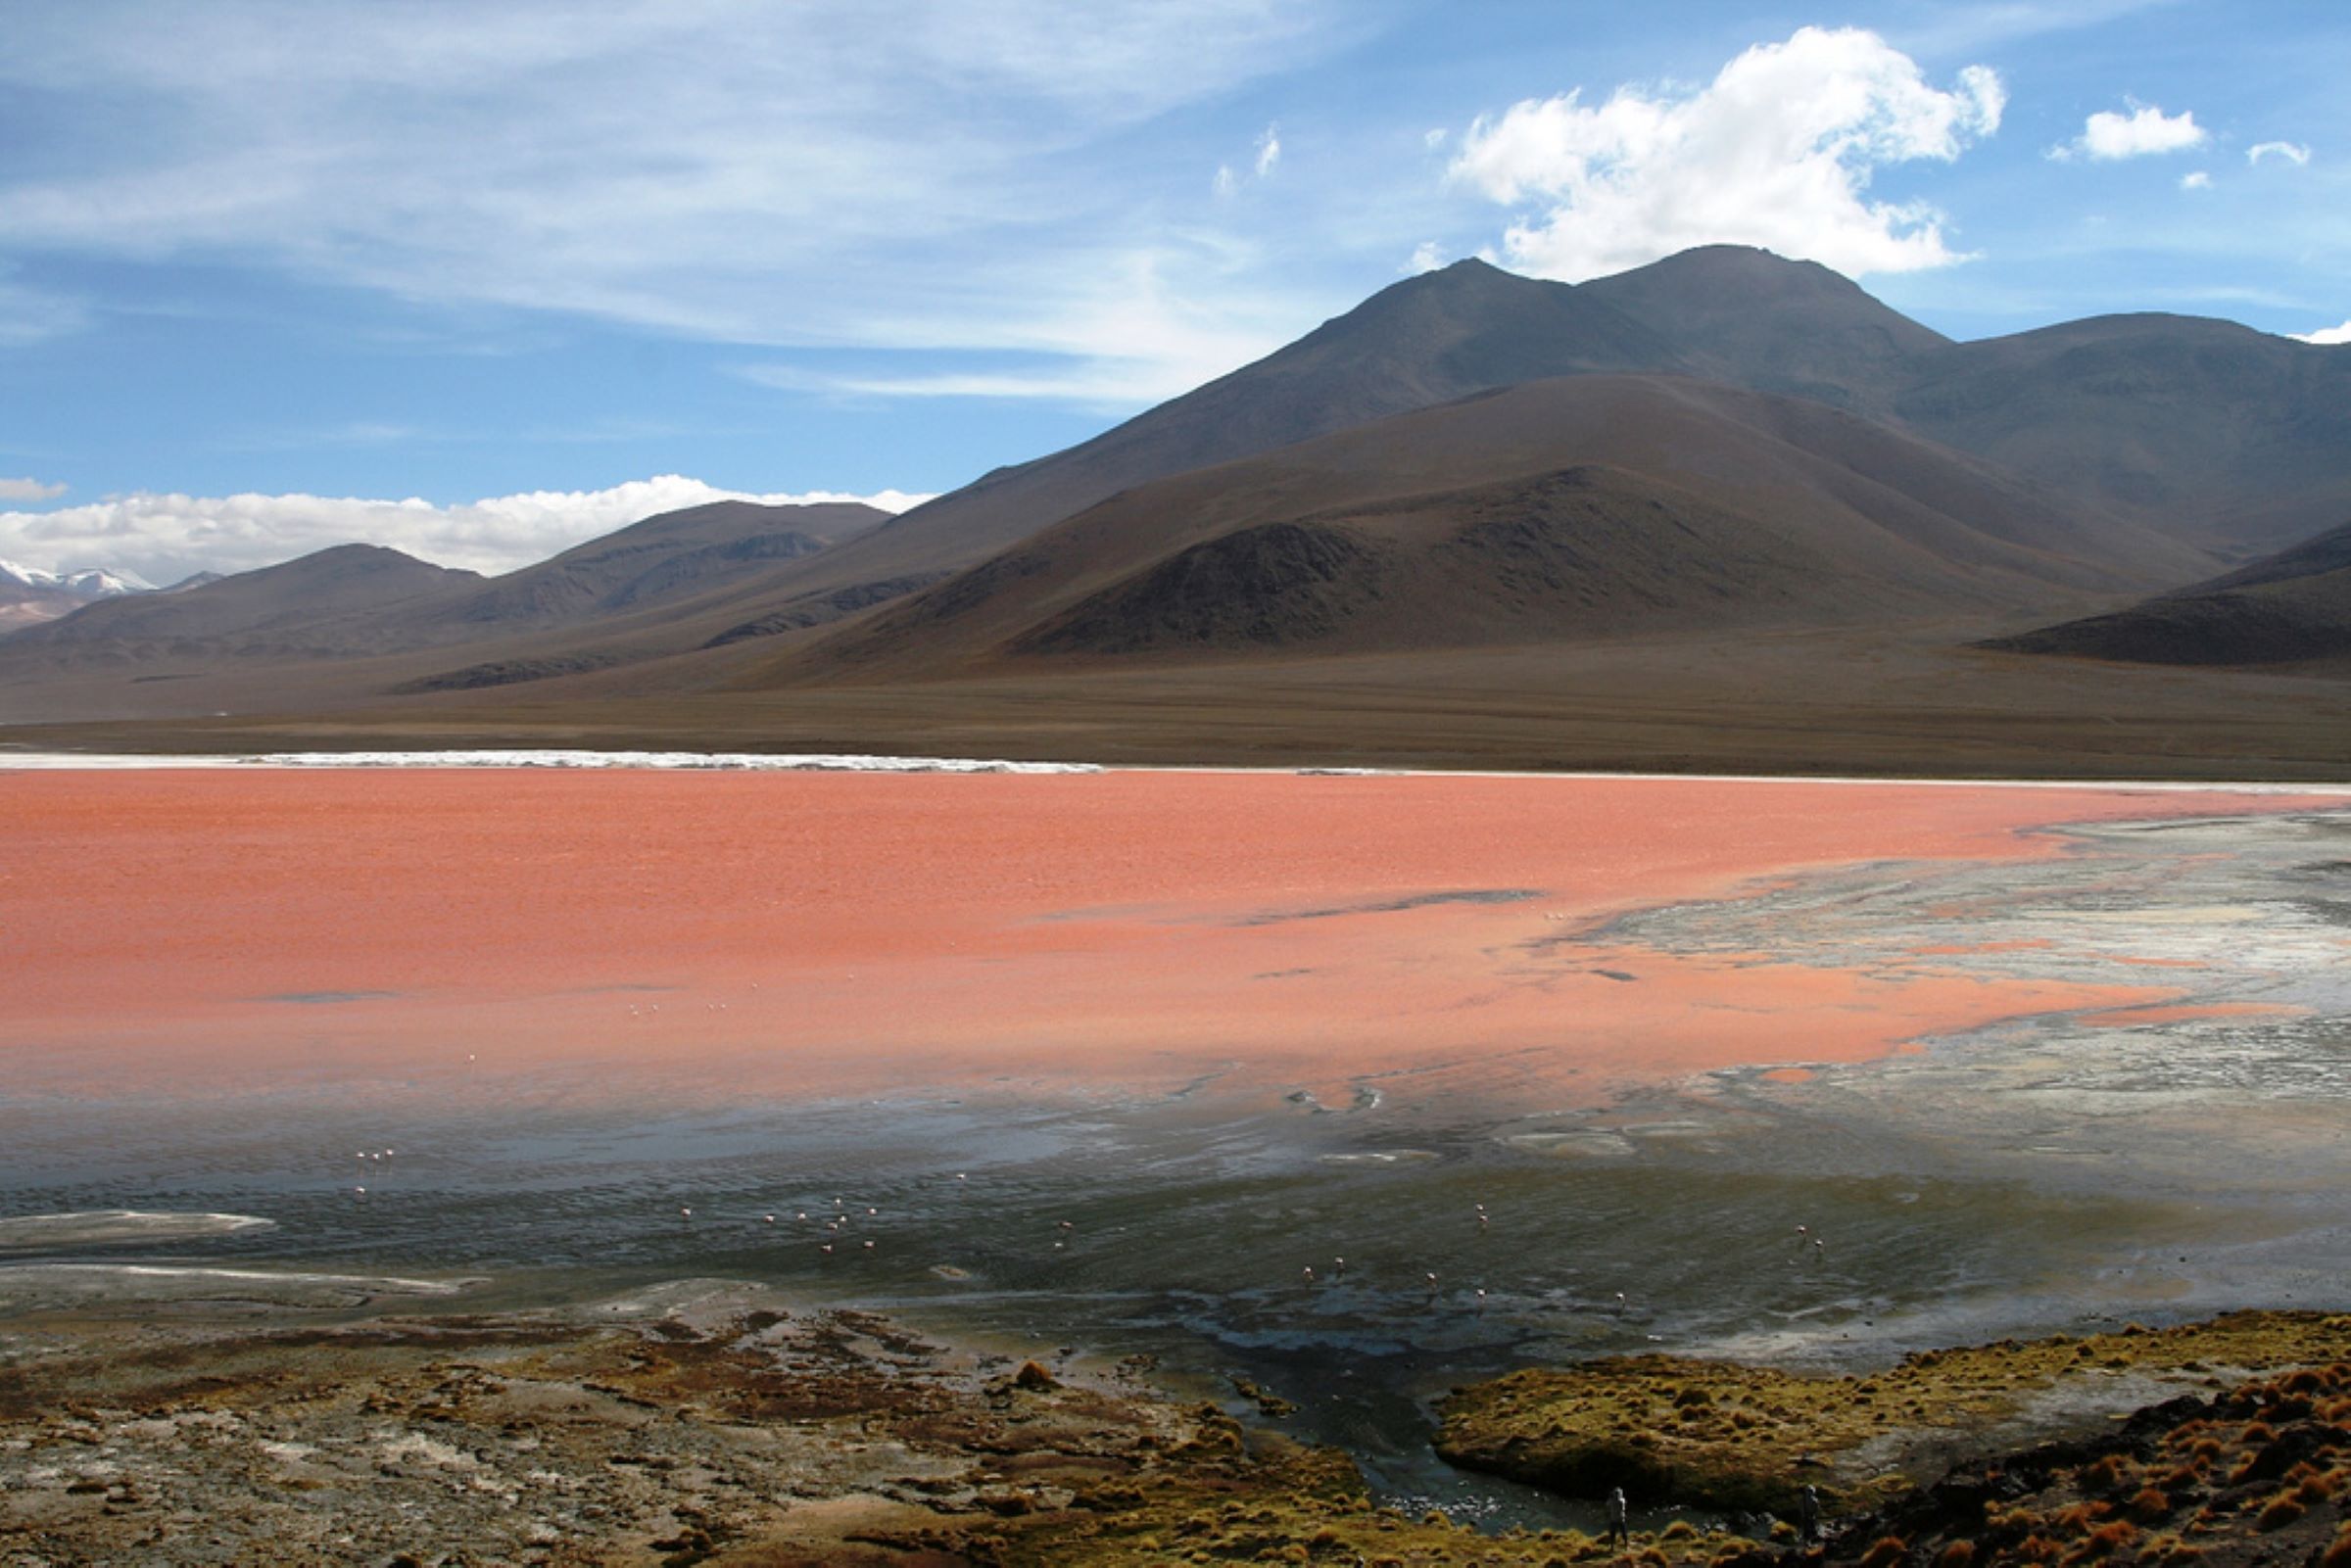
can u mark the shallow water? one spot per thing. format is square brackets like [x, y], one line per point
[2036, 1173]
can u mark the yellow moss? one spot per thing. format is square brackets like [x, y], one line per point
[1653, 1423]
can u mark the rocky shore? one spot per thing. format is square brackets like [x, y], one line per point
[709, 1422]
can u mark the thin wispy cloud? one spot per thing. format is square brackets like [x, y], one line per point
[28, 490]
[732, 171]
[1269, 151]
[1778, 151]
[167, 537]
[30, 315]
[2196, 180]
[2145, 132]
[2289, 152]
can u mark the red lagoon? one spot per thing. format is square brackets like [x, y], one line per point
[705, 935]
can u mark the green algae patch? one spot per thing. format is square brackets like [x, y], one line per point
[1749, 1439]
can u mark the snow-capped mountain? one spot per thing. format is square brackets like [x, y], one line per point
[28, 594]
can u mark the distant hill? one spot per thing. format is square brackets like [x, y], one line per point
[1564, 509]
[367, 601]
[2292, 608]
[299, 607]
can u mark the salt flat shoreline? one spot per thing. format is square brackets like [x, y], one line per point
[845, 762]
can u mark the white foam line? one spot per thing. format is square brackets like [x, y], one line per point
[847, 762]
[722, 761]
[357, 1282]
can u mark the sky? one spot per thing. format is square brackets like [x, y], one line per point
[482, 281]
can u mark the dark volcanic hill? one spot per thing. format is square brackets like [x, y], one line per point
[1564, 509]
[2292, 608]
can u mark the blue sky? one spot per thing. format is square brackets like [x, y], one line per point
[480, 281]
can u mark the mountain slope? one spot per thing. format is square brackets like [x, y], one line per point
[2232, 439]
[665, 558]
[2292, 608]
[1591, 505]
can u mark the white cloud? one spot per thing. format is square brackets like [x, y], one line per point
[2145, 132]
[1776, 151]
[731, 169]
[2292, 152]
[1434, 138]
[1269, 151]
[1226, 181]
[2327, 336]
[2199, 180]
[1427, 256]
[167, 537]
[28, 490]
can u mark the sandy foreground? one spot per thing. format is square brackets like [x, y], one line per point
[212, 930]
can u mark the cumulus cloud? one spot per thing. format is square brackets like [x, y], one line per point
[1427, 256]
[2292, 152]
[2326, 336]
[2145, 132]
[2199, 180]
[28, 490]
[1778, 151]
[167, 537]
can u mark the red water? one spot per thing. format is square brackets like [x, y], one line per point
[735, 933]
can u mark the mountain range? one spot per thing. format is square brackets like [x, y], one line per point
[28, 594]
[1474, 481]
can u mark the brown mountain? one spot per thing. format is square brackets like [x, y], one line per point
[2228, 439]
[1557, 510]
[2289, 608]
